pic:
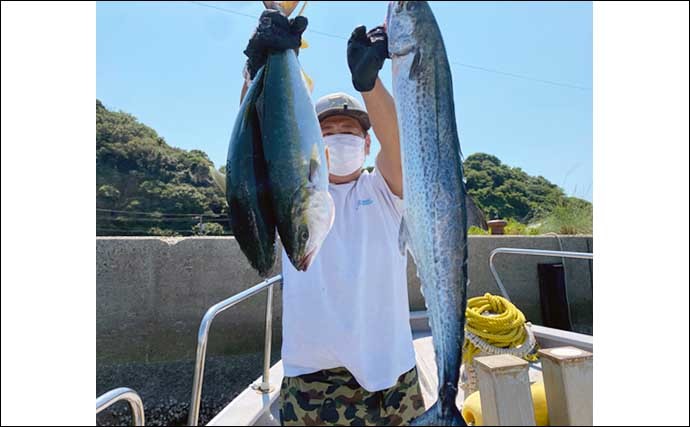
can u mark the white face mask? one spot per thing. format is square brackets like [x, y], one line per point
[345, 153]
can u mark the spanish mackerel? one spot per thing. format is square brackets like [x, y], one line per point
[434, 225]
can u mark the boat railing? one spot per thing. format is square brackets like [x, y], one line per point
[533, 252]
[202, 341]
[123, 393]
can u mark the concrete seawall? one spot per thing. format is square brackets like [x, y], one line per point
[152, 292]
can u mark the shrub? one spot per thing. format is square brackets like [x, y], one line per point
[157, 231]
[210, 229]
[476, 231]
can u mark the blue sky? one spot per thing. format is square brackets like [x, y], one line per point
[177, 68]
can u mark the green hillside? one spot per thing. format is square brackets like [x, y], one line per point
[146, 187]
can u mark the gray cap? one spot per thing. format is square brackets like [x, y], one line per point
[342, 104]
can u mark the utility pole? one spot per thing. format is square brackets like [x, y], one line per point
[202, 227]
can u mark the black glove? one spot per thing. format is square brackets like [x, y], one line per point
[365, 55]
[275, 32]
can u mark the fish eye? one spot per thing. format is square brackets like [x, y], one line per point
[411, 5]
[303, 234]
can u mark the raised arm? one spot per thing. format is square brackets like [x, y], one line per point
[384, 122]
[366, 52]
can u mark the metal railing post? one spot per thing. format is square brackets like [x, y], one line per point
[123, 393]
[268, 335]
[202, 340]
[535, 252]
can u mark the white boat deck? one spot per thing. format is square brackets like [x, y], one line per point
[254, 408]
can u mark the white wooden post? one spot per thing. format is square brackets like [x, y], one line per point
[568, 384]
[504, 391]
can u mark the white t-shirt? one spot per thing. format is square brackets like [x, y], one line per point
[350, 309]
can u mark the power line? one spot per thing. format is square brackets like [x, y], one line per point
[165, 220]
[105, 216]
[144, 230]
[122, 230]
[234, 12]
[519, 76]
[137, 230]
[158, 214]
[247, 15]
[461, 64]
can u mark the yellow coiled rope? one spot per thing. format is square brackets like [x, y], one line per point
[494, 325]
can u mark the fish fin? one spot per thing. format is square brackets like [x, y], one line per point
[314, 164]
[415, 68]
[308, 81]
[404, 238]
[301, 11]
[435, 416]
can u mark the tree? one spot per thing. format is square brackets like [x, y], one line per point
[109, 193]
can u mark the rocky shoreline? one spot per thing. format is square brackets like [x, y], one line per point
[166, 387]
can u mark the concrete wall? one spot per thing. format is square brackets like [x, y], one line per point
[152, 292]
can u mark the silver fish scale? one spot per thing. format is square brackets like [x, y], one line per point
[435, 214]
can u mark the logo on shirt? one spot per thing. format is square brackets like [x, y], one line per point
[364, 202]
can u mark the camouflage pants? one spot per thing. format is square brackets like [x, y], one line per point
[334, 397]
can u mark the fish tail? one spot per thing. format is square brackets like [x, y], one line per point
[438, 415]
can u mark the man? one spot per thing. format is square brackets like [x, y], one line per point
[347, 352]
